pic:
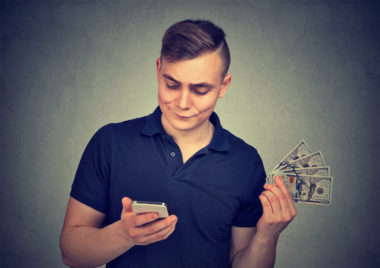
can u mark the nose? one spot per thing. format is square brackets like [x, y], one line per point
[183, 100]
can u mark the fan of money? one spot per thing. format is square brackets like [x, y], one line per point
[305, 174]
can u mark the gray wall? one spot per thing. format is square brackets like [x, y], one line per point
[300, 70]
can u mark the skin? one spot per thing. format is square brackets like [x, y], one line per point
[188, 91]
[187, 94]
[84, 243]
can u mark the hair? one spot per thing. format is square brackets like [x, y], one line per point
[189, 39]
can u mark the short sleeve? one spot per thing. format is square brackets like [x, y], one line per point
[91, 181]
[251, 210]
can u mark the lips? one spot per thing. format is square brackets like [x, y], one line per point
[179, 115]
[183, 116]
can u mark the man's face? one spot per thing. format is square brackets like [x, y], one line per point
[189, 89]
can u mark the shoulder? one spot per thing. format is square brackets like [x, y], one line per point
[111, 135]
[240, 147]
[128, 127]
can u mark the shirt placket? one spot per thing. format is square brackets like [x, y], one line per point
[173, 156]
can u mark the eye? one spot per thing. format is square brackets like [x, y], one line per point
[172, 86]
[200, 90]
[200, 93]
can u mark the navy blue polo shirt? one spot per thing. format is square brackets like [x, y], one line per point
[217, 188]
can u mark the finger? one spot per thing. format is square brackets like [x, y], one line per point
[127, 204]
[171, 230]
[285, 210]
[267, 208]
[144, 218]
[157, 226]
[280, 183]
[274, 202]
[158, 236]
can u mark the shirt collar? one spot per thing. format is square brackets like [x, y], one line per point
[153, 124]
[219, 141]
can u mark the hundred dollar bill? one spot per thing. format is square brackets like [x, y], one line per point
[299, 151]
[312, 160]
[314, 171]
[269, 179]
[309, 189]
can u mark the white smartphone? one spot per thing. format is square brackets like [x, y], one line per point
[146, 206]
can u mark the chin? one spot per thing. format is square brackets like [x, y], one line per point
[182, 126]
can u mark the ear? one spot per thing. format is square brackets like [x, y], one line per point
[158, 67]
[226, 82]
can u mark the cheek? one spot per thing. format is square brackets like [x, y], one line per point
[164, 95]
[160, 94]
[206, 104]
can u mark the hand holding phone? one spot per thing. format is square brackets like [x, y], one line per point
[142, 227]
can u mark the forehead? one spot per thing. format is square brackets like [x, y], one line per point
[204, 68]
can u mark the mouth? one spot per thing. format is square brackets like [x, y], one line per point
[182, 116]
[177, 113]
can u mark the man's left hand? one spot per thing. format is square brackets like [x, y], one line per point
[278, 209]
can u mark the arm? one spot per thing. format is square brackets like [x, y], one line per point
[256, 247]
[84, 244]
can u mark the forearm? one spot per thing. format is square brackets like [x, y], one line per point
[260, 253]
[86, 246]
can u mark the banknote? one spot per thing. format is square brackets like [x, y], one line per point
[311, 160]
[308, 180]
[308, 189]
[299, 151]
[314, 171]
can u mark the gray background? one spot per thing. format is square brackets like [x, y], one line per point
[301, 70]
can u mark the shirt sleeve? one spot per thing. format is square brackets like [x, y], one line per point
[91, 181]
[251, 210]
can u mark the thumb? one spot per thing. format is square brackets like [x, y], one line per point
[127, 204]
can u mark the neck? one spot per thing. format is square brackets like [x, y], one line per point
[202, 135]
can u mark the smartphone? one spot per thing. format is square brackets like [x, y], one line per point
[146, 206]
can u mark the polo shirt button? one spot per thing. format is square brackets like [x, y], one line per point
[172, 154]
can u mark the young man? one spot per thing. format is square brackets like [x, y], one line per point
[211, 180]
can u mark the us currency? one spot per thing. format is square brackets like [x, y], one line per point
[299, 151]
[308, 189]
[311, 160]
[313, 171]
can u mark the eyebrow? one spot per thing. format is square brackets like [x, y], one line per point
[202, 84]
[171, 78]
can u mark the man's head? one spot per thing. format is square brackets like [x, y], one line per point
[189, 39]
[191, 75]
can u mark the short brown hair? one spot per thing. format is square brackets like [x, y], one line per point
[189, 39]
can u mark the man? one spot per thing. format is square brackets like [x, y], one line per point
[211, 180]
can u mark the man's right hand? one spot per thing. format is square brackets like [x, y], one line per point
[143, 229]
